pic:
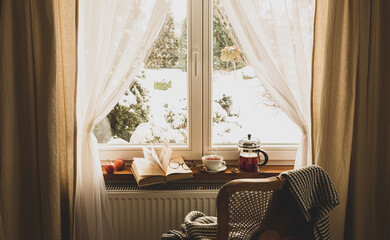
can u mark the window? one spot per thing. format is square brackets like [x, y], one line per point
[196, 91]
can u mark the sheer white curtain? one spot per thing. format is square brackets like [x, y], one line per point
[277, 38]
[114, 37]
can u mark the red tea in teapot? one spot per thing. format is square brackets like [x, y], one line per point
[249, 151]
[248, 161]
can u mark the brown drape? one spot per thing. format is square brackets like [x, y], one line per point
[37, 120]
[66, 32]
[351, 112]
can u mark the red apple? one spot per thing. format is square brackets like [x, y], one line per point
[109, 167]
[119, 164]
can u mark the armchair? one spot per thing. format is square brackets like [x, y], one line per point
[260, 209]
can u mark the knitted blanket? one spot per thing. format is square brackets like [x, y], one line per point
[196, 226]
[316, 196]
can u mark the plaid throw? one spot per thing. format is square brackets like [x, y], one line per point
[316, 196]
[196, 226]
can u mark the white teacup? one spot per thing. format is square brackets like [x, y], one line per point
[213, 162]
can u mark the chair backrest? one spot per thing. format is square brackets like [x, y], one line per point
[252, 208]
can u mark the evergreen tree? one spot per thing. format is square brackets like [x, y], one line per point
[182, 50]
[124, 119]
[164, 51]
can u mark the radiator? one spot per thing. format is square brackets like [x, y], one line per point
[145, 213]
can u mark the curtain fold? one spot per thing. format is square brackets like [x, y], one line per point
[37, 95]
[66, 33]
[276, 37]
[114, 38]
[351, 113]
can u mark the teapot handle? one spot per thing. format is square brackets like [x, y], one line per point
[265, 158]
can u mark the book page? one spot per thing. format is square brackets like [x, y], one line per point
[151, 156]
[147, 167]
[165, 156]
[180, 169]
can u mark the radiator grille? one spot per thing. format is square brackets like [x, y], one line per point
[163, 187]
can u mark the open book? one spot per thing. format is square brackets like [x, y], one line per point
[152, 170]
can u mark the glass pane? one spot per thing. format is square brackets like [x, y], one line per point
[240, 103]
[155, 107]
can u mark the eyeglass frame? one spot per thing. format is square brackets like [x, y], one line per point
[181, 164]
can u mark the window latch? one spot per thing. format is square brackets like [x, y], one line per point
[196, 63]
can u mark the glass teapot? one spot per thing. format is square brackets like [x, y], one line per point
[249, 151]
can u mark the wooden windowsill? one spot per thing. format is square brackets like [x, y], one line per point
[126, 175]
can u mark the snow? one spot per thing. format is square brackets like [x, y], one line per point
[117, 141]
[268, 124]
[263, 122]
[128, 99]
[149, 133]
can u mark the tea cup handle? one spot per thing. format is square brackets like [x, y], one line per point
[223, 163]
[265, 158]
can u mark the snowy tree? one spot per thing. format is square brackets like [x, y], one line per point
[182, 50]
[176, 115]
[226, 103]
[131, 111]
[164, 52]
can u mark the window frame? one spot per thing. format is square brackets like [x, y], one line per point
[199, 57]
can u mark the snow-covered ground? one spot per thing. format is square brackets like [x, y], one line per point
[268, 124]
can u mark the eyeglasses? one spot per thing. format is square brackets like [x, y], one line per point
[184, 165]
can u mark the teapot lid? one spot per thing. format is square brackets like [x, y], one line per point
[249, 143]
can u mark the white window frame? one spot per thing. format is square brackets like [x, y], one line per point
[199, 17]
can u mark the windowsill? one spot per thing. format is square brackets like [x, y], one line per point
[126, 175]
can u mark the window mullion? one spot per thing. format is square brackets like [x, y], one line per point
[195, 56]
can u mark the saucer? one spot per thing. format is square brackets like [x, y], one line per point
[221, 169]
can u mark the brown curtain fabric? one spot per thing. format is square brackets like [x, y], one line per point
[66, 32]
[66, 23]
[37, 100]
[351, 112]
